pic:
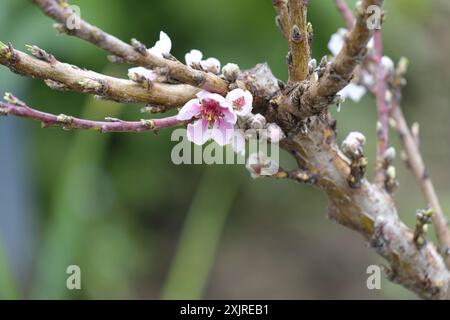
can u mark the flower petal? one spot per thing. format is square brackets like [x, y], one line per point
[353, 91]
[222, 132]
[162, 46]
[198, 132]
[195, 56]
[337, 41]
[191, 109]
[242, 101]
[140, 72]
[211, 65]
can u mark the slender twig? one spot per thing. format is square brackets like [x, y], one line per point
[282, 17]
[417, 166]
[298, 40]
[62, 76]
[19, 109]
[61, 12]
[382, 108]
[346, 13]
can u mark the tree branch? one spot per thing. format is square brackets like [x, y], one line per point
[382, 108]
[346, 13]
[298, 41]
[64, 76]
[20, 109]
[319, 95]
[417, 166]
[282, 17]
[61, 12]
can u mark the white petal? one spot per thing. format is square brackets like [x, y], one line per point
[142, 72]
[195, 56]
[211, 65]
[337, 41]
[162, 46]
[387, 64]
[353, 91]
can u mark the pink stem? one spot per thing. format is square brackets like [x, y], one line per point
[50, 120]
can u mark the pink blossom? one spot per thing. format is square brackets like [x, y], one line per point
[214, 118]
[241, 101]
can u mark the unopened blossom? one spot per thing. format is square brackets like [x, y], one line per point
[195, 57]
[213, 116]
[274, 133]
[353, 145]
[353, 91]
[241, 101]
[387, 64]
[162, 47]
[259, 164]
[231, 71]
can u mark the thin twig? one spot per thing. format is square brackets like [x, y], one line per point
[382, 108]
[60, 11]
[68, 122]
[62, 76]
[346, 13]
[282, 17]
[417, 165]
[298, 40]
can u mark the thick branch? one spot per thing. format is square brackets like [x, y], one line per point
[337, 75]
[61, 12]
[64, 76]
[298, 40]
[67, 122]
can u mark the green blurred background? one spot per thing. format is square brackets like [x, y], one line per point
[140, 227]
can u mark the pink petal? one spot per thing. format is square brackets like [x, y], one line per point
[162, 46]
[238, 94]
[202, 95]
[229, 116]
[222, 132]
[191, 109]
[198, 132]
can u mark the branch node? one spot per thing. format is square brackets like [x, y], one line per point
[41, 54]
[423, 219]
[139, 46]
[353, 149]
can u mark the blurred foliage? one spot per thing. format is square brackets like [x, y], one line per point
[116, 205]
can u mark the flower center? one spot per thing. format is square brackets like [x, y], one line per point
[239, 103]
[211, 110]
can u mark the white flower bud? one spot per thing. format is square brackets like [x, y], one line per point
[231, 71]
[258, 164]
[274, 133]
[258, 121]
[353, 145]
[390, 155]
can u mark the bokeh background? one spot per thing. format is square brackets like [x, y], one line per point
[140, 227]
